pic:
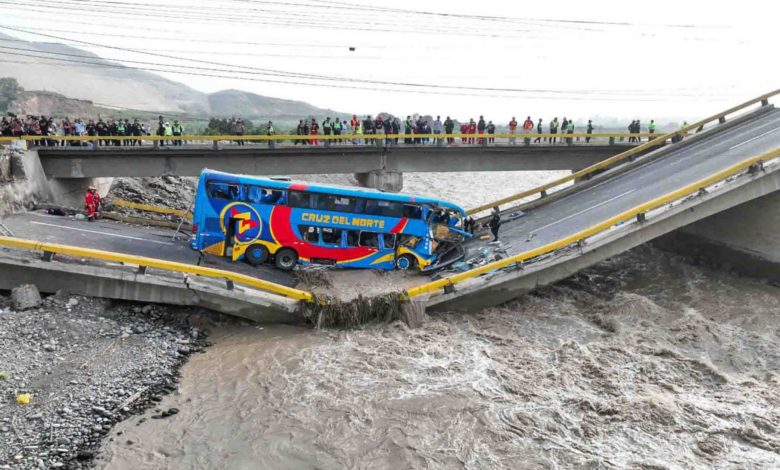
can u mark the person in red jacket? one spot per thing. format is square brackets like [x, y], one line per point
[92, 204]
[314, 129]
[464, 129]
[472, 130]
[528, 126]
[512, 130]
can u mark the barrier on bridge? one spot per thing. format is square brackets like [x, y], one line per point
[637, 211]
[143, 262]
[697, 126]
[348, 136]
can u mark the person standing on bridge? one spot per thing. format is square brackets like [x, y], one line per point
[269, 131]
[538, 139]
[326, 128]
[589, 130]
[495, 223]
[449, 127]
[314, 131]
[570, 130]
[137, 131]
[177, 130]
[481, 126]
[160, 130]
[631, 128]
[651, 129]
[564, 126]
[528, 126]
[472, 130]
[512, 130]
[395, 128]
[437, 127]
[337, 128]
[553, 130]
[491, 130]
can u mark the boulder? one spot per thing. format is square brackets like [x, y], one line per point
[25, 297]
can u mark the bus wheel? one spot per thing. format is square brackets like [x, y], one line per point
[256, 255]
[406, 262]
[286, 259]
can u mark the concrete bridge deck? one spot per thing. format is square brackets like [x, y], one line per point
[79, 162]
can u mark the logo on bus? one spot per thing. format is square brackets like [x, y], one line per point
[248, 224]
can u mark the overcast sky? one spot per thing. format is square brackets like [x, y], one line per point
[677, 59]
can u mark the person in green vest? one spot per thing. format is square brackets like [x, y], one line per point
[337, 128]
[177, 130]
[651, 128]
[120, 130]
[569, 130]
[359, 132]
[167, 132]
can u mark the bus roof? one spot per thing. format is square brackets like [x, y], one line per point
[326, 189]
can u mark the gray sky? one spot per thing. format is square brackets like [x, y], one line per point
[679, 59]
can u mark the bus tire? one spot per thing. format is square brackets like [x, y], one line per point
[286, 259]
[256, 254]
[406, 263]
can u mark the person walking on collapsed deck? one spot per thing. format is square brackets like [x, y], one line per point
[495, 223]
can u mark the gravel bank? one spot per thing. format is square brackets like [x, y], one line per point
[87, 364]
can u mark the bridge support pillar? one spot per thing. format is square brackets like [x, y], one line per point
[745, 239]
[390, 181]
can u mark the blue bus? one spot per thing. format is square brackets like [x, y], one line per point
[288, 223]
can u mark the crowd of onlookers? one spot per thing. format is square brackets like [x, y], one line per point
[353, 130]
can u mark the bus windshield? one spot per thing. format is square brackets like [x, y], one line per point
[288, 224]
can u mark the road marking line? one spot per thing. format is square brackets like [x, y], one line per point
[754, 138]
[100, 233]
[584, 210]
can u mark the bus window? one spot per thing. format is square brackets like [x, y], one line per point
[309, 233]
[299, 199]
[388, 241]
[216, 190]
[258, 195]
[353, 236]
[383, 208]
[369, 239]
[333, 202]
[331, 236]
[412, 212]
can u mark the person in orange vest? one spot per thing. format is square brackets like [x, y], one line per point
[512, 130]
[314, 130]
[528, 126]
[92, 204]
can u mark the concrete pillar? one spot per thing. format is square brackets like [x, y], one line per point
[745, 238]
[390, 181]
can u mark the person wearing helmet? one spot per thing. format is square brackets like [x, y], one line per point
[92, 203]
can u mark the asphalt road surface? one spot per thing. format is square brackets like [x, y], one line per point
[582, 209]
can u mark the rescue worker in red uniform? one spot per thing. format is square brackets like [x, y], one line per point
[92, 204]
[464, 129]
[314, 129]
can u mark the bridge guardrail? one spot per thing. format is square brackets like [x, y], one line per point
[349, 136]
[637, 212]
[696, 126]
[143, 262]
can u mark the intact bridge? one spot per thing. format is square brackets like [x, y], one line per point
[711, 186]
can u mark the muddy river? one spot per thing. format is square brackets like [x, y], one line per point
[643, 361]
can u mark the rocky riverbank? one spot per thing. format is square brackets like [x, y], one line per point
[86, 364]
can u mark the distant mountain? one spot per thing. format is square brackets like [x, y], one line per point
[136, 89]
[241, 103]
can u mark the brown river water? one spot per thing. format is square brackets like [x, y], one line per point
[643, 361]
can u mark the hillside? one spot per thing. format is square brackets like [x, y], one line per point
[134, 89]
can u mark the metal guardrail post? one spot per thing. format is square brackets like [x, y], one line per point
[611, 141]
[156, 144]
[215, 145]
[271, 144]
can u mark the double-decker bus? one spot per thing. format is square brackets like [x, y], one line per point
[268, 220]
